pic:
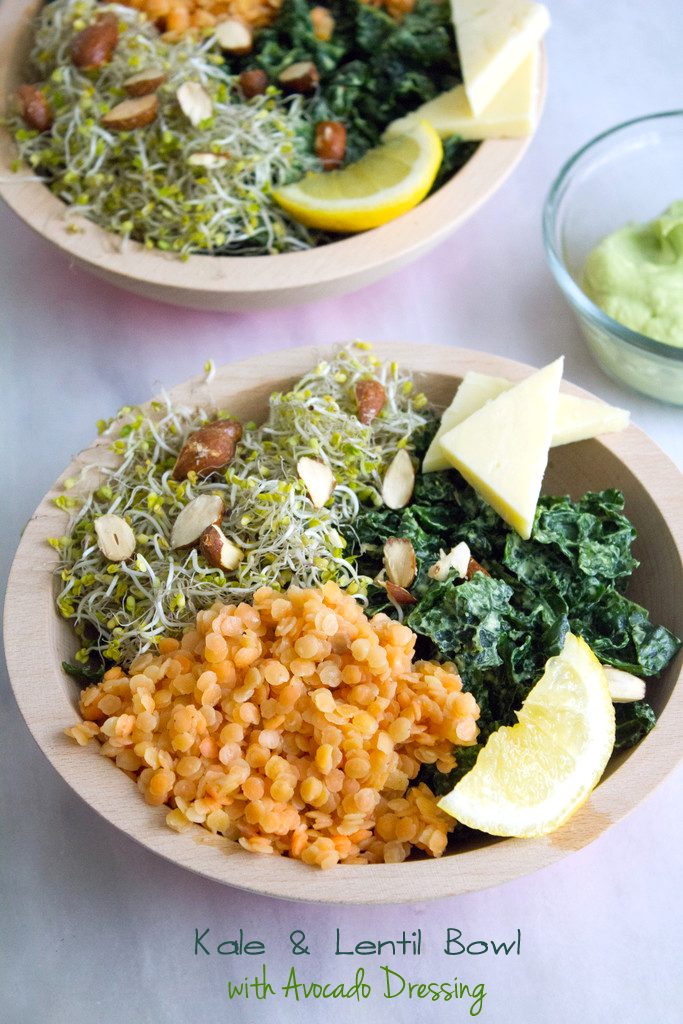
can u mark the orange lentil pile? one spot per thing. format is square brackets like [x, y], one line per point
[176, 17]
[179, 16]
[294, 725]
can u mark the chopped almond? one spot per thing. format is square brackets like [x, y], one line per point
[399, 561]
[399, 481]
[203, 511]
[318, 479]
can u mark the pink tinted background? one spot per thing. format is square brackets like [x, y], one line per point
[91, 925]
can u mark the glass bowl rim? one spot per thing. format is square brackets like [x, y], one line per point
[572, 290]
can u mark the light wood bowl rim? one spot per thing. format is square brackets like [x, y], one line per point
[251, 281]
[34, 669]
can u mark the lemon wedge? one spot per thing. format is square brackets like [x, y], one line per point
[386, 182]
[531, 777]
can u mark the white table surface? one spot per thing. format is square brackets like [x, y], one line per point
[94, 927]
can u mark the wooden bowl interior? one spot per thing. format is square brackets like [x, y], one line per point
[243, 282]
[48, 699]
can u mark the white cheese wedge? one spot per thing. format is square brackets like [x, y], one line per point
[475, 390]
[511, 114]
[494, 37]
[578, 419]
[502, 448]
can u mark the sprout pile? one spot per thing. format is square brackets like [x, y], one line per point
[142, 184]
[118, 609]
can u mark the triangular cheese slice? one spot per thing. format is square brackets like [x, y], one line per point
[475, 390]
[578, 419]
[494, 37]
[511, 114]
[502, 449]
[581, 418]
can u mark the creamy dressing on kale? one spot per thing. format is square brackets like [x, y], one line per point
[571, 575]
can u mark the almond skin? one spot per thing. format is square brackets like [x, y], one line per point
[253, 83]
[144, 82]
[93, 47]
[330, 144]
[370, 399]
[219, 552]
[208, 449]
[399, 594]
[131, 114]
[301, 77]
[474, 566]
[34, 108]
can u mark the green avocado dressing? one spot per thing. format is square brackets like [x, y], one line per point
[636, 276]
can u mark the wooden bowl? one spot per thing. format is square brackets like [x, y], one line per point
[37, 639]
[240, 282]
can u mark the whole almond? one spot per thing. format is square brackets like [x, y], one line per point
[370, 399]
[34, 108]
[399, 561]
[131, 114]
[253, 83]
[301, 77]
[115, 538]
[330, 144]
[399, 481]
[208, 449]
[323, 23]
[399, 594]
[203, 511]
[234, 36]
[218, 550]
[144, 82]
[93, 47]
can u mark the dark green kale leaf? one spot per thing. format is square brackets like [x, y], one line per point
[84, 675]
[501, 630]
[475, 625]
[373, 70]
[634, 721]
[290, 38]
[593, 534]
[621, 634]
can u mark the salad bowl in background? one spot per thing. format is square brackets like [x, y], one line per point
[240, 282]
[48, 699]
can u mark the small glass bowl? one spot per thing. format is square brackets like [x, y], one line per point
[630, 173]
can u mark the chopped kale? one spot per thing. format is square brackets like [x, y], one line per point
[373, 70]
[634, 721]
[501, 629]
[84, 675]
